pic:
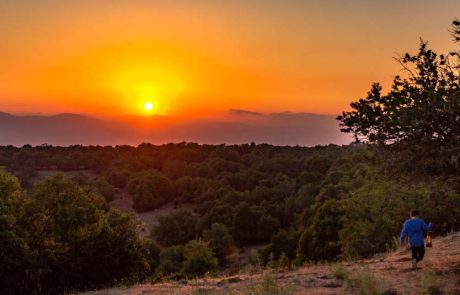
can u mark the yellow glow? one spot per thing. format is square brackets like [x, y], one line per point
[148, 106]
[198, 57]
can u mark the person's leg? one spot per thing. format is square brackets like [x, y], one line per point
[414, 257]
[421, 253]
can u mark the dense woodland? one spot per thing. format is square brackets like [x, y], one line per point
[300, 204]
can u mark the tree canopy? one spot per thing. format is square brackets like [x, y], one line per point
[422, 108]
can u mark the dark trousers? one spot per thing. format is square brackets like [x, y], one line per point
[418, 253]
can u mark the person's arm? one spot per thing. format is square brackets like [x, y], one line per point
[427, 227]
[403, 233]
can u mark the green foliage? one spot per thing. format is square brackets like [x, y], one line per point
[198, 259]
[376, 210]
[244, 219]
[420, 112]
[64, 237]
[268, 286]
[176, 228]
[104, 188]
[171, 260]
[299, 204]
[219, 240]
[13, 239]
[281, 243]
[284, 262]
[149, 190]
[320, 240]
[118, 177]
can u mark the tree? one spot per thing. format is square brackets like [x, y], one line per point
[244, 219]
[422, 108]
[320, 240]
[149, 190]
[177, 228]
[77, 242]
[13, 240]
[104, 188]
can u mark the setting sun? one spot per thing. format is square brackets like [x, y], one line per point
[148, 106]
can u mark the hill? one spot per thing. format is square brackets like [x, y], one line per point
[235, 126]
[208, 209]
[388, 273]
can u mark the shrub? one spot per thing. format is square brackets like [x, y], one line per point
[171, 260]
[199, 259]
[268, 286]
[219, 240]
[339, 271]
[284, 262]
[364, 282]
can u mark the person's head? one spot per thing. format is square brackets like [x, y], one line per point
[414, 213]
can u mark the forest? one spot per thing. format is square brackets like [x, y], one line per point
[296, 205]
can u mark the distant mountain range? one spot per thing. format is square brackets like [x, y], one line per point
[239, 126]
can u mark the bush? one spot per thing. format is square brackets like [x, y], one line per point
[268, 286]
[364, 282]
[171, 260]
[199, 259]
[219, 240]
[339, 271]
[284, 262]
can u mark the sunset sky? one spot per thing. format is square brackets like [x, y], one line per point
[196, 58]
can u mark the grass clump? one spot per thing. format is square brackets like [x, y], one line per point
[268, 286]
[339, 271]
[364, 282]
[431, 284]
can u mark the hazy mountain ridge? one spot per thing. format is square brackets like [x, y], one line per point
[241, 126]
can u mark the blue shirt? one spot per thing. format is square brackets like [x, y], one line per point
[414, 229]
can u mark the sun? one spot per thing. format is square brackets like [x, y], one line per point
[148, 106]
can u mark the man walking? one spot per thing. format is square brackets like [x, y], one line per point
[415, 228]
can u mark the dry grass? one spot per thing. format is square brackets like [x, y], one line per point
[441, 268]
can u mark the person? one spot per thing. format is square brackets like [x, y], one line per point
[415, 228]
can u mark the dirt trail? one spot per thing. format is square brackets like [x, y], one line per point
[393, 272]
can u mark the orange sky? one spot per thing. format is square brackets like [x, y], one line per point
[194, 58]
